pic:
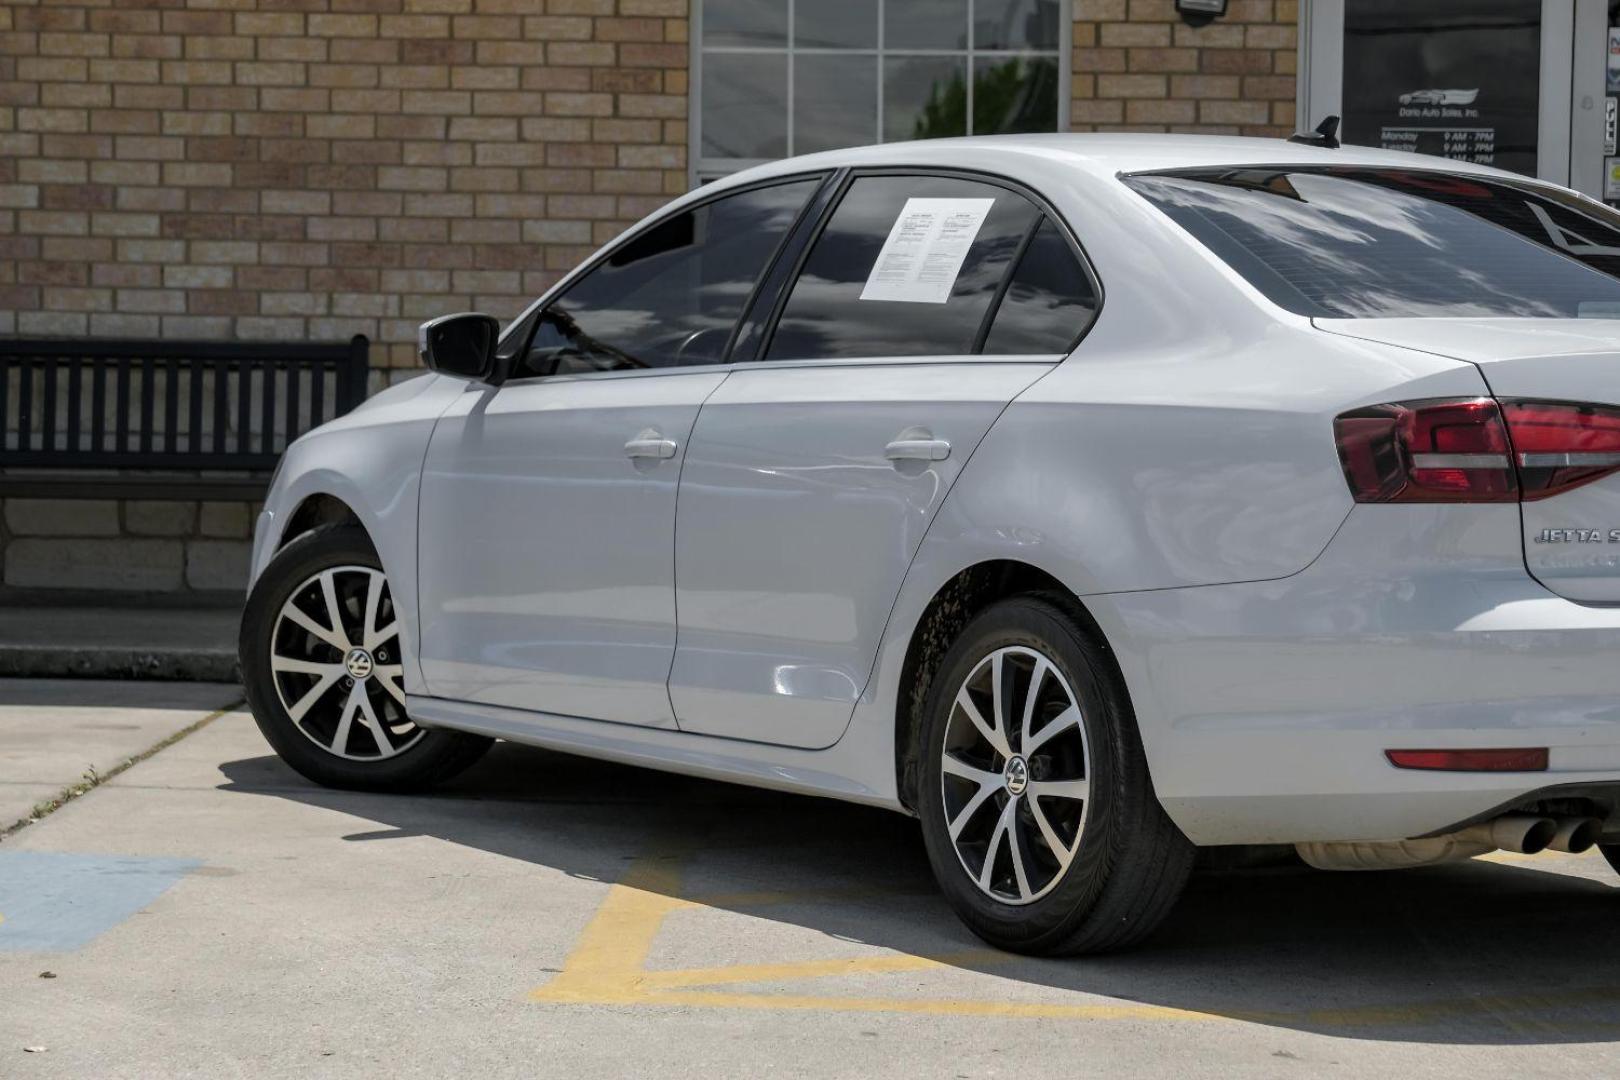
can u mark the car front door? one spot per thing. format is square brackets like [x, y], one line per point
[925, 305]
[548, 505]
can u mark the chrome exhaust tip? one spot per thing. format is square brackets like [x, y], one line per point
[1523, 833]
[1575, 835]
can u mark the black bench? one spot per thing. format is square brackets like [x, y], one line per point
[110, 419]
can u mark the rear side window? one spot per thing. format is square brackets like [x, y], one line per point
[672, 294]
[1350, 243]
[928, 297]
[1048, 302]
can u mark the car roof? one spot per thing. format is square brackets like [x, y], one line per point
[1103, 154]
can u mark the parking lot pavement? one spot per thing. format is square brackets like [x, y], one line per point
[56, 733]
[208, 913]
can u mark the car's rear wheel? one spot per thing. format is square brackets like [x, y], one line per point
[1039, 817]
[320, 658]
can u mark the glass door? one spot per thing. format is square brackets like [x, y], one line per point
[1489, 81]
[1594, 168]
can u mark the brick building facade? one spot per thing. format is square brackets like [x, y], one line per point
[314, 169]
[1136, 66]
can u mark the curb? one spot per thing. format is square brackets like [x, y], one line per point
[34, 661]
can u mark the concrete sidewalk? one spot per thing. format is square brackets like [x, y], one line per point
[209, 913]
[54, 734]
[46, 641]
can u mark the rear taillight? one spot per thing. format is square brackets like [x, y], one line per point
[1473, 450]
[1521, 759]
[1558, 445]
[1454, 450]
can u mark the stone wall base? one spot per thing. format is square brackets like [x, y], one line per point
[126, 546]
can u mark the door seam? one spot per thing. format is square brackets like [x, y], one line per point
[922, 541]
[675, 548]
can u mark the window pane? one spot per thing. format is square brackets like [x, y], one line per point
[825, 316]
[1015, 24]
[1373, 243]
[744, 105]
[1048, 302]
[835, 24]
[671, 295]
[1459, 78]
[745, 22]
[924, 97]
[835, 102]
[1014, 95]
[925, 24]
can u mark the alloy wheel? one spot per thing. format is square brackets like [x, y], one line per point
[1015, 775]
[334, 658]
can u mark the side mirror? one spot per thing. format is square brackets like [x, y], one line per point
[462, 345]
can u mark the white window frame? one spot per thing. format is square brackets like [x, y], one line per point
[700, 169]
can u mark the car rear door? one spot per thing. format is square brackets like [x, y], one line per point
[548, 506]
[813, 472]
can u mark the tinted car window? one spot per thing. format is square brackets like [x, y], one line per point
[672, 294]
[1371, 243]
[825, 316]
[1048, 301]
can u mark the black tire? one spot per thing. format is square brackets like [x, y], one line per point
[1129, 861]
[1612, 853]
[435, 756]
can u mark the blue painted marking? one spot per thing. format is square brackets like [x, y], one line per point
[60, 903]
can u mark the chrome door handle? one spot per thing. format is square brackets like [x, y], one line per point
[650, 444]
[917, 450]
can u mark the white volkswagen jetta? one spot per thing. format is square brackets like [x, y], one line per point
[1091, 498]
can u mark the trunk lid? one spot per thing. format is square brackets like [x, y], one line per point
[1571, 539]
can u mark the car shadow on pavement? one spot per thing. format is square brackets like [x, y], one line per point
[1471, 953]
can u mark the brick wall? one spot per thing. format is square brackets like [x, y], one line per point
[134, 546]
[304, 169]
[312, 169]
[1138, 67]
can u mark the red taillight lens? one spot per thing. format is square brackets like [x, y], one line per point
[1472, 450]
[1518, 759]
[1561, 445]
[1453, 450]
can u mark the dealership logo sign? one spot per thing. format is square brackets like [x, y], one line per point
[1439, 97]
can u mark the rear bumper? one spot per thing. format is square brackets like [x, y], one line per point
[1266, 707]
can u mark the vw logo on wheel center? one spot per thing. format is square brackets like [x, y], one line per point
[1017, 776]
[359, 665]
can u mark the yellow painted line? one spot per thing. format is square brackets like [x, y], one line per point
[773, 897]
[608, 967]
[815, 969]
[608, 960]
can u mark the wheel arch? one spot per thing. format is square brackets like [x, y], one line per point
[953, 605]
[317, 509]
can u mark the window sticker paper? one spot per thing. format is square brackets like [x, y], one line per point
[925, 250]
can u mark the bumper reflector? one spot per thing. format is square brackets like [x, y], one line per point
[1519, 759]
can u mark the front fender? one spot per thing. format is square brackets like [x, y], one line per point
[371, 460]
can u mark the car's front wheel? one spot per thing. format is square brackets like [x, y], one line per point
[320, 658]
[1040, 820]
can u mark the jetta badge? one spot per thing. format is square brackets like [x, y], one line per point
[1578, 536]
